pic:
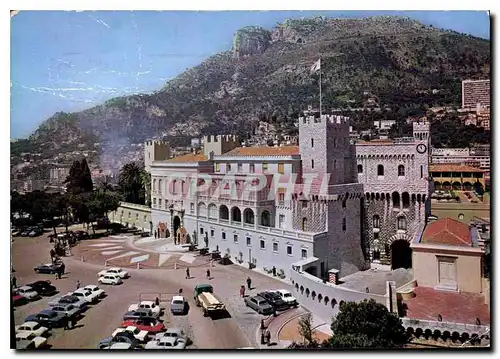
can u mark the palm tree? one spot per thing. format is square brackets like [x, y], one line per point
[146, 184]
[105, 185]
[131, 182]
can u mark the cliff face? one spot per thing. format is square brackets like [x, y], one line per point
[250, 41]
[267, 73]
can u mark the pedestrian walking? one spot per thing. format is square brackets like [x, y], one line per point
[56, 273]
[249, 283]
[63, 268]
[14, 282]
[156, 234]
[268, 337]
[78, 284]
[157, 301]
[274, 271]
[187, 273]
[180, 291]
[66, 324]
[208, 273]
[242, 291]
[73, 322]
[59, 273]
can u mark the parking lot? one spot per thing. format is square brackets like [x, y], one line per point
[104, 317]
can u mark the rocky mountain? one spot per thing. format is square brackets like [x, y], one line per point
[266, 74]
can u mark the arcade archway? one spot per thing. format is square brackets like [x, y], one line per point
[177, 224]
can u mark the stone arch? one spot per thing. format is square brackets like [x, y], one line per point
[265, 218]
[427, 333]
[436, 334]
[380, 170]
[202, 209]
[401, 171]
[382, 196]
[373, 196]
[248, 216]
[212, 211]
[333, 303]
[308, 292]
[406, 199]
[235, 214]
[301, 289]
[413, 197]
[457, 186]
[154, 185]
[360, 168]
[377, 196]
[423, 198]
[313, 295]
[395, 199]
[296, 286]
[467, 186]
[326, 300]
[341, 304]
[320, 297]
[446, 185]
[419, 198]
[401, 254]
[223, 212]
[419, 332]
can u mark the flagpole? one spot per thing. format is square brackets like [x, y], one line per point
[320, 95]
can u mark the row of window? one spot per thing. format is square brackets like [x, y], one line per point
[265, 167]
[381, 171]
[401, 223]
[262, 243]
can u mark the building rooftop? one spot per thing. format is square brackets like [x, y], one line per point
[454, 307]
[452, 167]
[447, 231]
[264, 151]
[375, 143]
[190, 157]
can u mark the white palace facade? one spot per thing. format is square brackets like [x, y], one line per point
[326, 201]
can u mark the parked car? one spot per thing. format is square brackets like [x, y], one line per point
[28, 292]
[43, 287]
[86, 295]
[48, 268]
[110, 279]
[32, 327]
[81, 235]
[35, 232]
[259, 304]
[67, 309]
[96, 290]
[70, 299]
[166, 343]
[171, 332]
[23, 344]
[179, 305]
[287, 297]
[122, 346]
[139, 314]
[275, 300]
[48, 318]
[18, 299]
[146, 304]
[39, 342]
[138, 334]
[151, 325]
[124, 337]
[116, 271]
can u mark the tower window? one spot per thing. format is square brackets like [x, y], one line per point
[312, 164]
[401, 171]
[380, 170]
[344, 224]
[312, 142]
[360, 168]
[376, 221]
[421, 171]
[304, 224]
[402, 223]
[281, 168]
[264, 167]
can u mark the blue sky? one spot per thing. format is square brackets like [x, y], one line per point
[68, 61]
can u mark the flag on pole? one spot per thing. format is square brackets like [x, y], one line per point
[316, 66]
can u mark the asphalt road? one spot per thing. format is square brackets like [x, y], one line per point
[103, 318]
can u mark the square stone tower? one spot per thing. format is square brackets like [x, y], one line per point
[155, 150]
[219, 144]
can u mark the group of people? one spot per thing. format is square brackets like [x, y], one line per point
[242, 288]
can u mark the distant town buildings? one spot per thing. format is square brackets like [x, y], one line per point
[475, 92]
[475, 156]
[58, 175]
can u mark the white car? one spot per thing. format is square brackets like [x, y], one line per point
[116, 271]
[110, 279]
[31, 328]
[287, 297]
[120, 346]
[95, 289]
[39, 342]
[138, 334]
[146, 304]
[28, 292]
[166, 343]
[85, 295]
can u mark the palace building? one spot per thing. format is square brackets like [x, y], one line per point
[326, 201]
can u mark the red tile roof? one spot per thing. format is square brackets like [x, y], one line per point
[190, 157]
[452, 167]
[264, 151]
[447, 231]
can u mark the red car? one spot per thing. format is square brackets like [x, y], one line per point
[152, 326]
[18, 299]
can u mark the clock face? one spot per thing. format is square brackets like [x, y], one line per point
[421, 148]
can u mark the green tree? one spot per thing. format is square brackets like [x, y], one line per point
[366, 324]
[79, 179]
[306, 330]
[131, 182]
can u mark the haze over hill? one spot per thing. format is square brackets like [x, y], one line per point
[267, 74]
